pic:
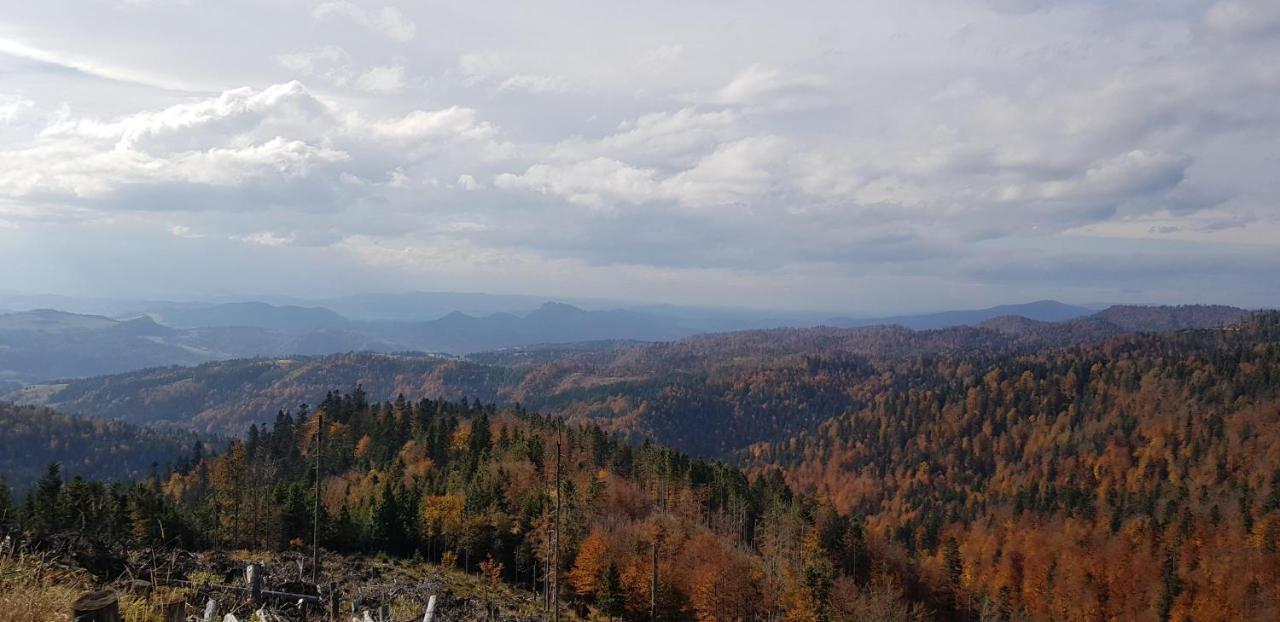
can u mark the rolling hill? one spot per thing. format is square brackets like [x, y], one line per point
[749, 386]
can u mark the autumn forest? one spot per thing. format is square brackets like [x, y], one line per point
[982, 474]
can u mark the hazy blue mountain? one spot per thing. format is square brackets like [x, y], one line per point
[425, 306]
[459, 333]
[52, 321]
[287, 318]
[1040, 310]
[47, 344]
[578, 378]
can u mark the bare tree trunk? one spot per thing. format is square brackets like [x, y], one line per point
[555, 552]
[315, 510]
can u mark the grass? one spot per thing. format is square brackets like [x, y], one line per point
[35, 591]
[31, 591]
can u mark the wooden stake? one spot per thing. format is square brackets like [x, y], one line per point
[210, 610]
[431, 609]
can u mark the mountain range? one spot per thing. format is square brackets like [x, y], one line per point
[46, 344]
[634, 385]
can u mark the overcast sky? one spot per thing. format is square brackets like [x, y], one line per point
[841, 155]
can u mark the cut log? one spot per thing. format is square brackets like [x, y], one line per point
[100, 606]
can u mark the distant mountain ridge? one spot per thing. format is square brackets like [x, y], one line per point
[626, 381]
[285, 318]
[1040, 310]
[46, 344]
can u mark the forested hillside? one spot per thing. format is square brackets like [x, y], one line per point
[749, 386]
[31, 437]
[992, 473]
[630, 531]
[1134, 479]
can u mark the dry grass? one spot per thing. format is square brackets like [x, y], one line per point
[33, 591]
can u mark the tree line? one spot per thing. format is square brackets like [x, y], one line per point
[577, 515]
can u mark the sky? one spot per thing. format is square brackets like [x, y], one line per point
[829, 155]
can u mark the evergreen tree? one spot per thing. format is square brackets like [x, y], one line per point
[6, 505]
[952, 563]
[610, 598]
[45, 504]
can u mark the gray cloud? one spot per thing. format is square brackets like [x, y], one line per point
[1002, 146]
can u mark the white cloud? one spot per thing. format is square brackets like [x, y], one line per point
[388, 79]
[667, 53]
[1244, 17]
[599, 182]
[91, 66]
[240, 140]
[658, 137]
[11, 108]
[758, 83]
[183, 231]
[314, 62]
[450, 123]
[265, 238]
[491, 69]
[387, 20]
[334, 65]
[734, 173]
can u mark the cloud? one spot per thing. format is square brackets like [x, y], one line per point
[453, 122]
[183, 231]
[658, 137]
[265, 238]
[490, 69]
[12, 108]
[279, 143]
[667, 53]
[733, 173]
[758, 83]
[1244, 17]
[385, 80]
[334, 65]
[905, 146]
[598, 182]
[92, 66]
[388, 21]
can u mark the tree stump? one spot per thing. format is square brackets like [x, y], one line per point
[253, 579]
[175, 611]
[100, 606]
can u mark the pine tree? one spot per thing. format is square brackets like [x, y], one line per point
[952, 563]
[6, 505]
[46, 502]
[610, 598]
[1171, 585]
